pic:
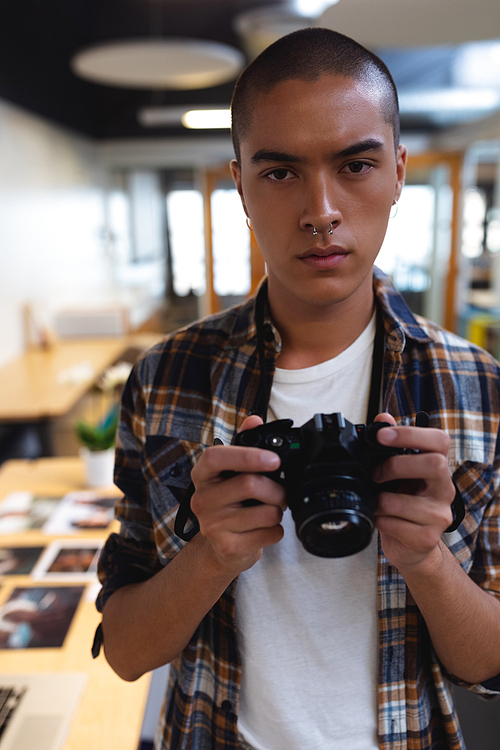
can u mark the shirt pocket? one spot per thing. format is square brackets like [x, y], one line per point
[167, 465]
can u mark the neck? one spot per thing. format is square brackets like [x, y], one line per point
[314, 334]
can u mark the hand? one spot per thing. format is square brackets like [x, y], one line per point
[412, 520]
[238, 533]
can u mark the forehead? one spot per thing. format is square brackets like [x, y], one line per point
[331, 108]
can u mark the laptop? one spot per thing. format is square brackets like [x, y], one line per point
[36, 710]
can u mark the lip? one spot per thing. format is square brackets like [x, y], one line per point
[324, 258]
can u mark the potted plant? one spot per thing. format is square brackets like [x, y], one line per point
[98, 437]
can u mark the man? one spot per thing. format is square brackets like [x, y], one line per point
[272, 647]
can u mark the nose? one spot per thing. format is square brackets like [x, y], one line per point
[321, 213]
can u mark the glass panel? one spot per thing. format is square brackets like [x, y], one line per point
[187, 242]
[473, 226]
[231, 244]
[415, 251]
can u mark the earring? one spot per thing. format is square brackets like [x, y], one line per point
[393, 215]
[315, 231]
[249, 224]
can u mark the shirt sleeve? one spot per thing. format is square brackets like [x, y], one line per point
[130, 556]
[485, 570]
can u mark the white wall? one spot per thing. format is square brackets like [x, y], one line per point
[52, 213]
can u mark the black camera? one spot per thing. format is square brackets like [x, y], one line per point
[326, 468]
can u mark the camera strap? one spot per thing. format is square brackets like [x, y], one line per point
[262, 397]
[374, 397]
[186, 524]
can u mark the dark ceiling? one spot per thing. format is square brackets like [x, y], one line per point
[39, 37]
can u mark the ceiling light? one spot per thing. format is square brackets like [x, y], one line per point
[478, 64]
[260, 27]
[311, 7]
[159, 63]
[402, 23]
[159, 117]
[207, 119]
[448, 100]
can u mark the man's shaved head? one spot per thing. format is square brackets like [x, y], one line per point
[309, 54]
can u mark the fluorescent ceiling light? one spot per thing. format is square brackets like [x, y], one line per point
[209, 116]
[207, 119]
[448, 100]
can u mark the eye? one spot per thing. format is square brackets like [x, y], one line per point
[280, 174]
[357, 167]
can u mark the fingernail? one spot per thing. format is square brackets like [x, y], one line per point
[270, 460]
[387, 435]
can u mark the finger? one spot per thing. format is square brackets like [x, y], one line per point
[431, 467]
[243, 550]
[239, 519]
[424, 439]
[256, 487]
[244, 487]
[234, 491]
[218, 459]
[395, 509]
[250, 422]
[384, 417]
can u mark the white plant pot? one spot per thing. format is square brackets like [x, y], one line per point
[98, 466]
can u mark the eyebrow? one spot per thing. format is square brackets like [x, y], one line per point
[370, 144]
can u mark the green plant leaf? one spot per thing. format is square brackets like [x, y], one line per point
[99, 437]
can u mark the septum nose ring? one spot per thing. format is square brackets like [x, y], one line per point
[330, 231]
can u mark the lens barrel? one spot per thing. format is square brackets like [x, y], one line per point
[333, 515]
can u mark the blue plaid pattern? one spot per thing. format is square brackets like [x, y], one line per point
[200, 383]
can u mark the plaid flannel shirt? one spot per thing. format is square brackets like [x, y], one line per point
[199, 384]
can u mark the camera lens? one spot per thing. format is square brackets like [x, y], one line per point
[333, 515]
[334, 526]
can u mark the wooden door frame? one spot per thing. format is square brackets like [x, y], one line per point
[455, 163]
[257, 265]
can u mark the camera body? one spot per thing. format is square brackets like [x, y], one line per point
[326, 468]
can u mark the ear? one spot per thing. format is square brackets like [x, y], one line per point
[236, 174]
[401, 160]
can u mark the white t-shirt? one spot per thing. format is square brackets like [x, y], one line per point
[307, 626]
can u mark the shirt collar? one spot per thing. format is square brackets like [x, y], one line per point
[400, 323]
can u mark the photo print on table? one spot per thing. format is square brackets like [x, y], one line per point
[38, 617]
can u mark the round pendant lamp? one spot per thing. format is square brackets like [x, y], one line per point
[159, 63]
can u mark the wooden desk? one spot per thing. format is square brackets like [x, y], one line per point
[111, 711]
[31, 390]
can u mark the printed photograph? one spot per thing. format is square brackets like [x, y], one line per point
[18, 560]
[38, 617]
[69, 559]
[81, 510]
[21, 511]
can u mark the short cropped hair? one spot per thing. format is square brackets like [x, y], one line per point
[308, 54]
